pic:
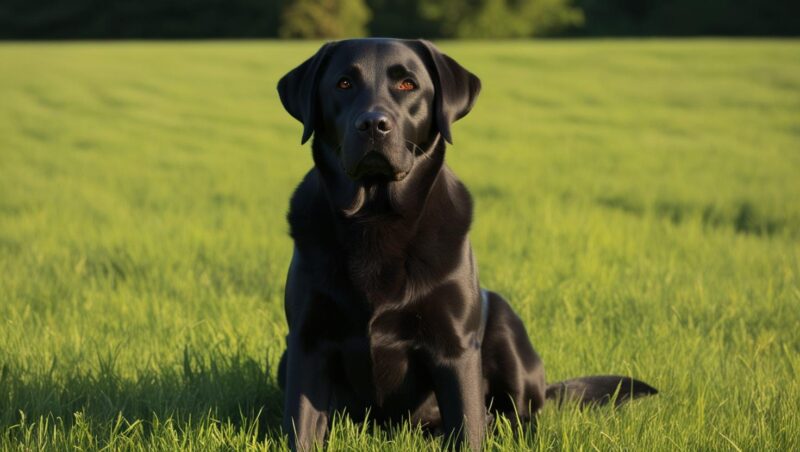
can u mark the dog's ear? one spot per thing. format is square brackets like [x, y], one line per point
[456, 89]
[298, 90]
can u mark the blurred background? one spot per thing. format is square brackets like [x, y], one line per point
[182, 19]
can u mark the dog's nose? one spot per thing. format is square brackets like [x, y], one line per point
[374, 122]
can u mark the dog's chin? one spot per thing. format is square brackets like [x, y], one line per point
[374, 169]
[380, 178]
[371, 179]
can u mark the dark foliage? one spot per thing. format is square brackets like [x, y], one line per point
[401, 19]
[87, 19]
[689, 17]
[92, 19]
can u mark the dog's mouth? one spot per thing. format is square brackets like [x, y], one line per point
[375, 168]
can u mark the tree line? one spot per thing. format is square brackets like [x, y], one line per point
[95, 19]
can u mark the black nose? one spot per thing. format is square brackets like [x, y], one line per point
[376, 123]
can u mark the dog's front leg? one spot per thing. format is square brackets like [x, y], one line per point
[308, 392]
[457, 384]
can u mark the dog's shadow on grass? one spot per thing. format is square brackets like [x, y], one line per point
[236, 389]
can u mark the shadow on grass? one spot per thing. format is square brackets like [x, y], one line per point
[236, 390]
[743, 217]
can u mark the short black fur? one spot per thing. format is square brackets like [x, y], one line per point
[383, 303]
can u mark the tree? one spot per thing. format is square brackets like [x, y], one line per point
[501, 18]
[400, 19]
[310, 19]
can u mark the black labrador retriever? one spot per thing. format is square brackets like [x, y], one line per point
[385, 312]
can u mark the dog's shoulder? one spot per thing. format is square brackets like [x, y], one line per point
[450, 205]
[310, 216]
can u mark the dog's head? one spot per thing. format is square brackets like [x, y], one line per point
[378, 103]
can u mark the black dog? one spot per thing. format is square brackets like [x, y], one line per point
[383, 303]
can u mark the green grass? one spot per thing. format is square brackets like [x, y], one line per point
[638, 202]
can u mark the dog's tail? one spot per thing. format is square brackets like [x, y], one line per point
[598, 390]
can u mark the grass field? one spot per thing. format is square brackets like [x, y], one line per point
[637, 201]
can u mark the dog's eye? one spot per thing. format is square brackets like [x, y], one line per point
[344, 83]
[407, 85]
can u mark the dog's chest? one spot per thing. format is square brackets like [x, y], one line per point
[383, 367]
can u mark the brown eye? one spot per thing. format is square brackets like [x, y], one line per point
[407, 85]
[344, 83]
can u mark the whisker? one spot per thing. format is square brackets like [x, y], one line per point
[415, 146]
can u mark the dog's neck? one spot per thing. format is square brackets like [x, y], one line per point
[378, 225]
[355, 202]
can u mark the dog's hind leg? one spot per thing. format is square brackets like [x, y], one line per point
[513, 371]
